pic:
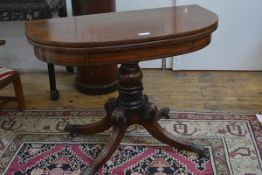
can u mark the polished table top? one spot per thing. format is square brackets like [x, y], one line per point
[126, 38]
[108, 38]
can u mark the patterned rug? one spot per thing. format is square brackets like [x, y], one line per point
[34, 143]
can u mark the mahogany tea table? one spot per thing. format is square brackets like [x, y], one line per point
[124, 38]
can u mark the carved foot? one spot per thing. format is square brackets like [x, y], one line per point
[150, 112]
[99, 126]
[72, 129]
[163, 113]
[109, 149]
[162, 135]
[201, 151]
[54, 94]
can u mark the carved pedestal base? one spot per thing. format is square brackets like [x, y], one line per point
[131, 107]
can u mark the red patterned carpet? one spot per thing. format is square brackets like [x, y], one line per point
[33, 142]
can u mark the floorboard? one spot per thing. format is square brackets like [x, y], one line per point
[183, 91]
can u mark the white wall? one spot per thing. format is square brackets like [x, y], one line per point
[17, 53]
[124, 5]
[237, 43]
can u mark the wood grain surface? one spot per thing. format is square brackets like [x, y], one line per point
[184, 91]
[121, 37]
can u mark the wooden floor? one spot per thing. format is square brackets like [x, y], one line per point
[184, 91]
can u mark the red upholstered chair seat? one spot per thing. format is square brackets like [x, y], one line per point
[5, 72]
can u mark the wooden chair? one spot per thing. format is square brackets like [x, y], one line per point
[8, 76]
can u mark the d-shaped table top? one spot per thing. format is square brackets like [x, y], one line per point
[126, 38]
[110, 37]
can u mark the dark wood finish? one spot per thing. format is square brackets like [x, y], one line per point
[131, 107]
[185, 29]
[114, 140]
[54, 93]
[101, 79]
[85, 7]
[82, 40]
[97, 80]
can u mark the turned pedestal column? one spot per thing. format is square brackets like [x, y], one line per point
[129, 108]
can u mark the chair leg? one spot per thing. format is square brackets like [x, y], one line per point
[19, 92]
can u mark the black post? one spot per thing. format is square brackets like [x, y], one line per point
[54, 93]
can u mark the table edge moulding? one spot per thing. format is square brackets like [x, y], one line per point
[130, 37]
